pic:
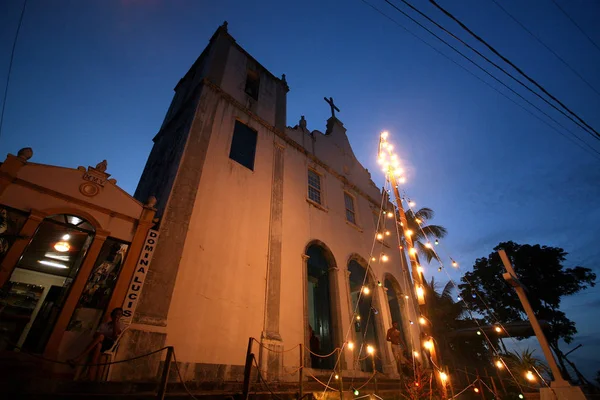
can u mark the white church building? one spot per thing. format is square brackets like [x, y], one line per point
[265, 231]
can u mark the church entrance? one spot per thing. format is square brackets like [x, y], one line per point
[319, 308]
[38, 287]
[365, 329]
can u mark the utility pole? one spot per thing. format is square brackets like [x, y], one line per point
[559, 383]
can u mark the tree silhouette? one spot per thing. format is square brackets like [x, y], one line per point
[540, 269]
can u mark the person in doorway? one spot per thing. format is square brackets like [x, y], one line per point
[104, 339]
[398, 347]
[314, 348]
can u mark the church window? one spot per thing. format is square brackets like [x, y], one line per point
[350, 213]
[252, 84]
[314, 186]
[243, 145]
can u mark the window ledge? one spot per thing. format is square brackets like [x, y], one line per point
[358, 228]
[316, 205]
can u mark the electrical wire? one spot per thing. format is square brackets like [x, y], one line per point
[537, 38]
[519, 70]
[10, 64]
[597, 153]
[576, 24]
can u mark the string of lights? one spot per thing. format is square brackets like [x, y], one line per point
[500, 362]
[429, 343]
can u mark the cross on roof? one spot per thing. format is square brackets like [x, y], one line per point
[333, 107]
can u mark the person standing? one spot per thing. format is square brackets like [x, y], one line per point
[394, 336]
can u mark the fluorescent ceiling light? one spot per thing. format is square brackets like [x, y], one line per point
[53, 264]
[56, 257]
[75, 220]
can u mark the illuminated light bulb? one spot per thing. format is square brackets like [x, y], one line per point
[436, 242]
[390, 147]
[521, 396]
[459, 298]
[418, 221]
[356, 392]
[529, 376]
[366, 290]
[350, 345]
[475, 390]
[428, 344]
[373, 259]
[411, 203]
[384, 258]
[413, 250]
[398, 171]
[370, 349]
[428, 245]
[390, 214]
[454, 263]
[402, 179]
[384, 134]
[474, 295]
[416, 383]
[396, 163]
[62, 247]
[66, 237]
[409, 232]
[387, 233]
[406, 297]
[439, 269]
[498, 329]
[337, 376]
[394, 157]
[443, 376]
[419, 269]
[499, 364]
[420, 291]
[416, 353]
[384, 144]
[479, 333]
[422, 321]
[411, 322]
[379, 236]
[358, 317]
[379, 283]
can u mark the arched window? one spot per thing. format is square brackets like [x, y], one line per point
[365, 326]
[320, 321]
[42, 278]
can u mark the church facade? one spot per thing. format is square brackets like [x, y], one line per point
[266, 231]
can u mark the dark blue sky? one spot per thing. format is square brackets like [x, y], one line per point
[92, 80]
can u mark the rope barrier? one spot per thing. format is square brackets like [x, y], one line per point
[263, 379]
[81, 365]
[275, 351]
[181, 378]
[323, 356]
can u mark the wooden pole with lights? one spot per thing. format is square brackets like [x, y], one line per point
[391, 167]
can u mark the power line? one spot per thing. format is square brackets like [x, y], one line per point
[566, 64]
[506, 60]
[12, 56]
[576, 24]
[487, 83]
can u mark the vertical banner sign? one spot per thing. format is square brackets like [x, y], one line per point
[141, 271]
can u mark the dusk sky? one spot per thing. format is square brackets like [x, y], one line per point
[92, 80]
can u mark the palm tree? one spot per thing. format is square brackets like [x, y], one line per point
[422, 234]
[526, 367]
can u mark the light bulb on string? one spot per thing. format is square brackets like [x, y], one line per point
[379, 283]
[479, 333]
[411, 203]
[459, 298]
[379, 236]
[420, 291]
[499, 364]
[439, 269]
[387, 233]
[384, 258]
[358, 317]
[530, 377]
[408, 232]
[412, 251]
[350, 345]
[428, 344]
[419, 269]
[384, 135]
[366, 290]
[390, 214]
[418, 221]
[475, 390]
[422, 321]
[443, 376]
[370, 349]
[521, 396]
[416, 353]
[454, 263]
[437, 242]
[402, 179]
[337, 376]
[428, 245]
[373, 259]
[411, 322]
[498, 329]
[406, 296]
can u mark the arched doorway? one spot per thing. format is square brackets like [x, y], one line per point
[365, 327]
[41, 280]
[320, 305]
